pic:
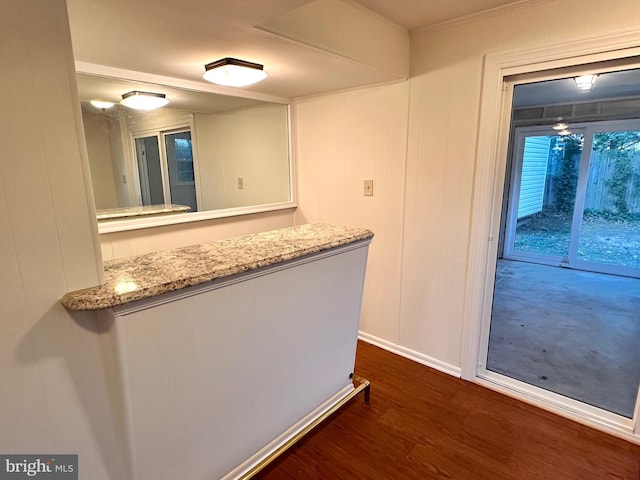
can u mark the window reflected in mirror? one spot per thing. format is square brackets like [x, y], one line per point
[203, 152]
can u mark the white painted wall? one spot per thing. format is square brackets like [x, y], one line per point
[97, 129]
[137, 242]
[160, 119]
[252, 144]
[55, 385]
[345, 137]
[125, 187]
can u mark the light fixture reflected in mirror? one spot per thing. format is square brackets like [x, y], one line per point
[101, 104]
[232, 72]
[144, 100]
[585, 82]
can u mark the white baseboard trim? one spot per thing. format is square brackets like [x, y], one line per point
[411, 354]
[269, 449]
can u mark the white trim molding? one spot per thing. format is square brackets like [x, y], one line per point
[405, 352]
[491, 12]
[576, 55]
[565, 407]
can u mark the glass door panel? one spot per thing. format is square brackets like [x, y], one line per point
[180, 166]
[609, 233]
[545, 182]
[579, 211]
[149, 170]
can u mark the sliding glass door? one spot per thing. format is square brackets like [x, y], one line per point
[575, 197]
[165, 168]
[573, 202]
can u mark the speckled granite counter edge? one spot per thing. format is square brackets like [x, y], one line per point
[106, 214]
[146, 276]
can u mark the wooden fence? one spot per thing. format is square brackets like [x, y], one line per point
[599, 197]
[601, 172]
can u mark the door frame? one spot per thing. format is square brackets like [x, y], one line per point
[573, 57]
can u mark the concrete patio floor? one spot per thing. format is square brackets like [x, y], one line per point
[571, 332]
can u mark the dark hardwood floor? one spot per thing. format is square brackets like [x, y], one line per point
[423, 424]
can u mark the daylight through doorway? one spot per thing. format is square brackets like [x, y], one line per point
[566, 306]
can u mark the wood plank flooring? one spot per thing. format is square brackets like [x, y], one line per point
[423, 424]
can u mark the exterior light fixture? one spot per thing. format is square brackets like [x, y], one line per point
[144, 100]
[101, 104]
[559, 126]
[585, 82]
[232, 72]
[564, 133]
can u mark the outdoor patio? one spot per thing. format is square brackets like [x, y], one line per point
[604, 238]
[572, 332]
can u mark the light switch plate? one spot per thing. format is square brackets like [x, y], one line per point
[240, 183]
[368, 188]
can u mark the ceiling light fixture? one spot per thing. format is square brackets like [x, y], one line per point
[585, 82]
[560, 126]
[101, 104]
[144, 100]
[232, 72]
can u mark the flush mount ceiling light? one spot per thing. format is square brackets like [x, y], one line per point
[232, 72]
[560, 125]
[585, 82]
[101, 104]
[144, 100]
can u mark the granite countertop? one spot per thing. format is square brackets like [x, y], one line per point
[141, 211]
[144, 276]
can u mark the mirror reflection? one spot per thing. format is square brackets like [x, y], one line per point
[200, 152]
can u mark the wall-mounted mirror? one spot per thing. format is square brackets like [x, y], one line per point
[203, 155]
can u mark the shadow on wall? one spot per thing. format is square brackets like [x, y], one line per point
[89, 359]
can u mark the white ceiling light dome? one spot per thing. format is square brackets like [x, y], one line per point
[232, 72]
[144, 100]
[585, 82]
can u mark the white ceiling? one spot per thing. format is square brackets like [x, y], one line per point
[412, 14]
[176, 38]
